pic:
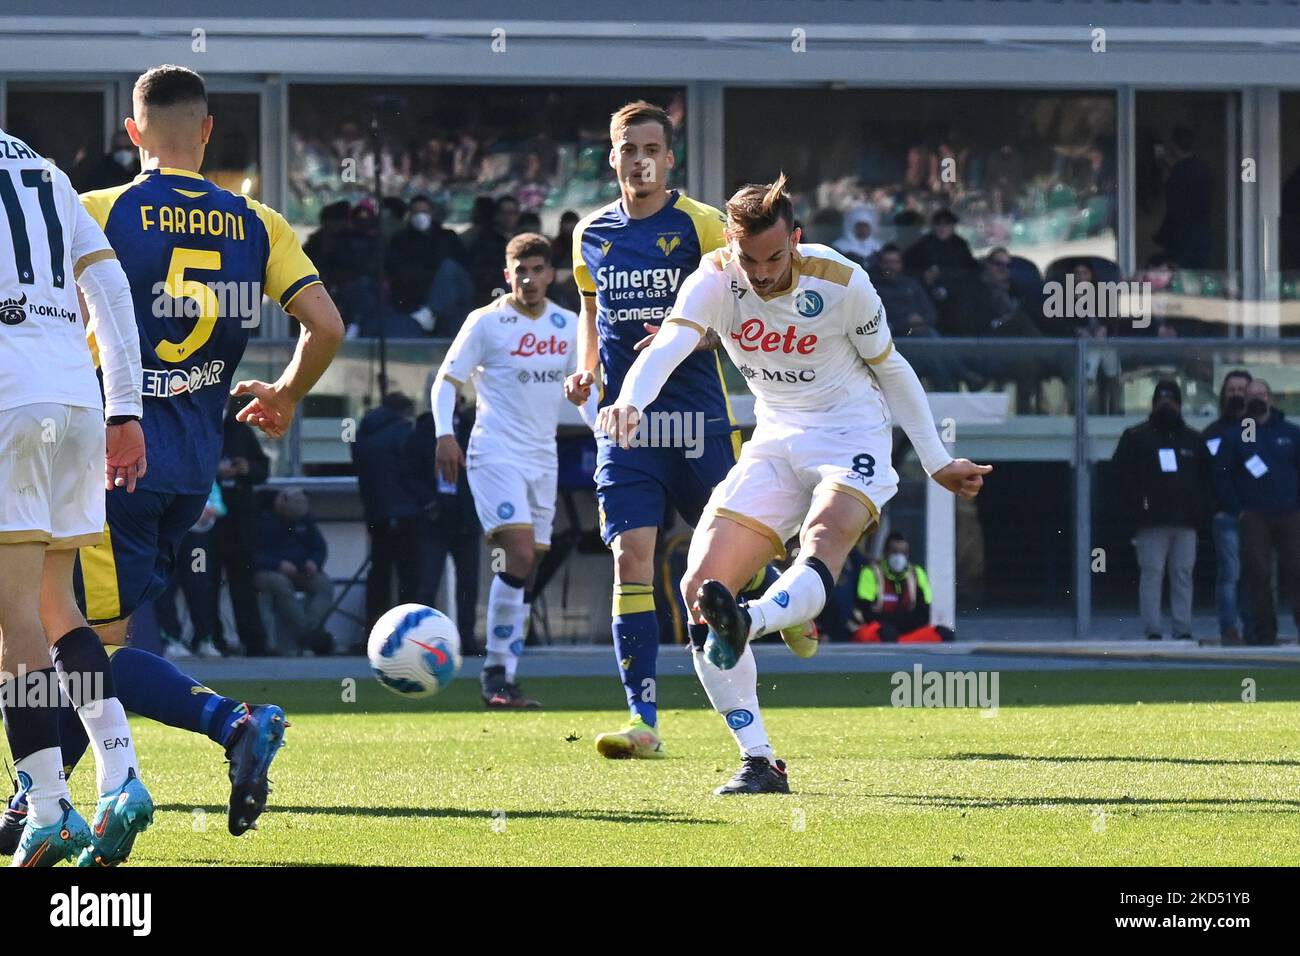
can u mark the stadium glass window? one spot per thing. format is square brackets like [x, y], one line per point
[1289, 224]
[232, 160]
[1186, 194]
[1032, 171]
[65, 125]
[545, 145]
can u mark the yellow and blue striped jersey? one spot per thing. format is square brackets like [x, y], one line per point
[634, 268]
[199, 258]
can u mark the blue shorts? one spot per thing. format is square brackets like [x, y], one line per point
[137, 558]
[634, 486]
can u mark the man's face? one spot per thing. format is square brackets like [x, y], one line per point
[862, 229]
[507, 217]
[766, 257]
[420, 215]
[292, 504]
[1258, 390]
[529, 279]
[1001, 266]
[1235, 387]
[892, 263]
[641, 159]
[943, 230]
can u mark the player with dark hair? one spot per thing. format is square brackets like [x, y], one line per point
[198, 259]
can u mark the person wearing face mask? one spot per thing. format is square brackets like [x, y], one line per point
[120, 165]
[1257, 479]
[1161, 471]
[893, 600]
[291, 558]
[414, 254]
[1227, 542]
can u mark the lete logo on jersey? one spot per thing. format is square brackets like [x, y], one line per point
[530, 345]
[754, 337]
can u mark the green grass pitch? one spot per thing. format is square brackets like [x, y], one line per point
[1078, 767]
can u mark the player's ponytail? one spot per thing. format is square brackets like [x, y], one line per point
[755, 208]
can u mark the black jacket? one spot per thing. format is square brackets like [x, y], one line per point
[1277, 489]
[240, 441]
[451, 514]
[1212, 437]
[377, 456]
[1151, 495]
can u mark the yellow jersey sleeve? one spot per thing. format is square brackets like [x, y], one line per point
[288, 270]
[710, 224]
[581, 272]
[99, 202]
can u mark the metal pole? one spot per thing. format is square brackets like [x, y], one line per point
[381, 294]
[1082, 499]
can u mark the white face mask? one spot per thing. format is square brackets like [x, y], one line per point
[124, 157]
[421, 221]
[897, 563]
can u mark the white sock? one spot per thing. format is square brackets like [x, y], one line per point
[798, 595]
[521, 628]
[505, 618]
[110, 739]
[49, 785]
[734, 695]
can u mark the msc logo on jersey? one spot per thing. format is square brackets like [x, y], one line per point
[505, 511]
[557, 320]
[13, 311]
[666, 244]
[808, 303]
[736, 719]
[606, 246]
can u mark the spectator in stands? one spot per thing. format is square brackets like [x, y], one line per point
[942, 261]
[487, 249]
[1227, 537]
[195, 569]
[359, 267]
[1009, 313]
[391, 511]
[527, 222]
[564, 290]
[1187, 234]
[242, 468]
[414, 254]
[329, 250]
[291, 555]
[1159, 273]
[893, 600]
[1257, 478]
[910, 314]
[1101, 365]
[120, 165]
[448, 522]
[857, 241]
[395, 217]
[1162, 475]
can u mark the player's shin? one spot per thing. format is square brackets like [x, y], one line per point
[87, 680]
[153, 687]
[29, 704]
[505, 623]
[733, 694]
[636, 645]
[798, 595]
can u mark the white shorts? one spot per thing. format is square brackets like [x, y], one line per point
[514, 496]
[781, 470]
[52, 475]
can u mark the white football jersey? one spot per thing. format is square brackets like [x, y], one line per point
[518, 365]
[46, 239]
[804, 351]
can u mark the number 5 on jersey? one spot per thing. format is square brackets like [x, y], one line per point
[179, 287]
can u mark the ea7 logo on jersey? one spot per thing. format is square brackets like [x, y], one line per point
[873, 324]
[13, 311]
[737, 291]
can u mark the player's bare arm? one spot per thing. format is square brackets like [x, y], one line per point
[646, 378]
[273, 405]
[577, 387]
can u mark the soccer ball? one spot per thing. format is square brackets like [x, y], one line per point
[414, 650]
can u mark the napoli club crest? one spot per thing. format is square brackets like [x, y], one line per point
[505, 511]
[808, 303]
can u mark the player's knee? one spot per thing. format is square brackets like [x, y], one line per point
[634, 563]
[519, 561]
